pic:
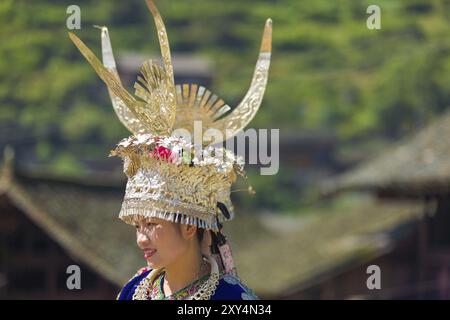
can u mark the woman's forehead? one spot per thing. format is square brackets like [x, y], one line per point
[150, 219]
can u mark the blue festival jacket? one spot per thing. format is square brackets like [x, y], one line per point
[229, 288]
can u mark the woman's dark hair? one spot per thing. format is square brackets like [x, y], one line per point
[200, 234]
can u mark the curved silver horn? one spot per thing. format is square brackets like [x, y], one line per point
[123, 112]
[239, 118]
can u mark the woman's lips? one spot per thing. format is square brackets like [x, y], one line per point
[148, 253]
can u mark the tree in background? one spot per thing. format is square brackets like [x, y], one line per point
[328, 70]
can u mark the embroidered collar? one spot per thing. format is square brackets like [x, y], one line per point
[157, 293]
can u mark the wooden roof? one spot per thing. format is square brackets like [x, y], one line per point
[274, 254]
[280, 254]
[82, 218]
[417, 166]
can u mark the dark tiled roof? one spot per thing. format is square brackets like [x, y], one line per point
[418, 166]
[278, 254]
[272, 254]
[83, 219]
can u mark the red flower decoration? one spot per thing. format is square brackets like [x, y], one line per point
[164, 153]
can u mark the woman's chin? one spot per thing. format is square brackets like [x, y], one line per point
[152, 264]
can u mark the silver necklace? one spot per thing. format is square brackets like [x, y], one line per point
[205, 292]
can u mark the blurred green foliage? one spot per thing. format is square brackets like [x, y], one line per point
[328, 70]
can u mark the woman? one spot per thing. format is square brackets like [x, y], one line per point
[178, 193]
[177, 202]
[175, 249]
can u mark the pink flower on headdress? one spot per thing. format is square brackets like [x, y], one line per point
[164, 153]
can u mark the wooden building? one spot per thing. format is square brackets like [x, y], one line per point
[399, 222]
[48, 224]
[415, 169]
[308, 256]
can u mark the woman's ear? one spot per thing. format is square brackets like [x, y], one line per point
[188, 231]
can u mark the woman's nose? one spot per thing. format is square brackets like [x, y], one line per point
[142, 239]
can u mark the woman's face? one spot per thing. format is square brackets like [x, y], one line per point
[161, 241]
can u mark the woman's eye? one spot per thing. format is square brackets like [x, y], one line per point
[150, 224]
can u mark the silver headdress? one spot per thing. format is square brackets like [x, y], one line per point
[167, 177]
